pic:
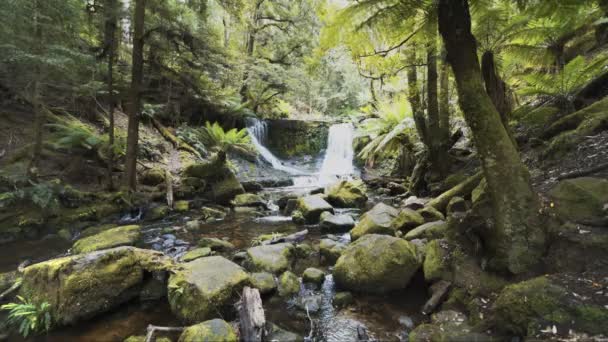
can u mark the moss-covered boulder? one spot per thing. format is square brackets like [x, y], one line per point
[429, 231]
[376, 221]
[248, 200]
[581, 199]
[264, 282]
[311, 208]
[221, 180]
[205, 288]
[331, 250]
[407, 220]
[289, 284]
[430, 214]
[448, 325]
[152, 177]
[336, 223]
[181, 206]
[271, 258]
[313, 275]
[216, 244]
[578, 248]
[116, 237]
[82, 286]
[456, 204]
[210, 214]
[377, 264]
[226, 189]
[526, 308]
[342, 299]
[158, 212]
[347, 194]
[215, 330]
[196, 254]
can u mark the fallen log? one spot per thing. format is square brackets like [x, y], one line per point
[462, 189]
[175, 141]
[251, 316]
[152, 329]
[169, 181]
[440, 292]
[293, 238]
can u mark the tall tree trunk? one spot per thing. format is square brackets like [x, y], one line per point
[250, 48]
[135, 94]
[372, 90]
[517, 241]
[444, 103]
[496, 87]
[110, 41]
[414, 95]
[601, 31]
[39, 113]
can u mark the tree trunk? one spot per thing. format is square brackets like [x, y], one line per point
[110, 41]
[39, 113]
[496, 88]
[250, 48]
[414, 95]
[517, 243]
[135, 105]
[444, 104]
[601, 31]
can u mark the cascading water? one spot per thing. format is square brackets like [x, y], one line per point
[258, 131]
[338, 162]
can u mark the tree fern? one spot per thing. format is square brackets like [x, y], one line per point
[28, 318]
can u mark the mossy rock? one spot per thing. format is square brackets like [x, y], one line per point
[158, 212]
[276, 333]
[248, 200]
[311, 208]
[429, 231]
[430, 214]
[527, 307]
[448, 325]
[456, 204]
[347, 194]
[407, 220]
[215, 330]
[212, 214]
[143, 339]
[538, 117]
[313, 275]
[94, 230]
[376, 221]
[152, 177]
[264, 282]
[205, 288]
[342, 299]
[216, 244]
[336, 223]
[196, 183]
[289, 284]
[116, 237]
[331, 250]
[7, 280]
[85, 285]
[225, 190]
[181, 206]
[196, 254]
[377, 264]
[275, 258]
[577, 252]
[581, 199]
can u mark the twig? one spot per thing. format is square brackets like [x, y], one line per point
[312, 325]
[12, 289]
[153, 329]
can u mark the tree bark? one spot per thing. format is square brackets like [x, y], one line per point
[110, 41]
[251, 316]
[250, 47]
[39, 113]
[414, 95]
[444, 103]
[135, 105]
[518, 241]
[496, 88]
[601, 31]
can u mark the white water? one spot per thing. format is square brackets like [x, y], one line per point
[338, 162]
[258, 131]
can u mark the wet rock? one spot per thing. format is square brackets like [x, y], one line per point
[311, 303]
[289, 284]
[290, 206]
[116, 237]
[196, 253]
[155, 288]
[376, 221]
[456, 204]
[246, 211]
[336, 223]
[252, 186]
[377, 264]
[282, 202]
[248, 200]
[158, 212]
[396, 188]
[414, 203]
[276, 333]
[313, 275]
[297, 217]
[311, 208]
[193, 225]
[181, 206]
[347, 194]
[216, 244]
[429, 231]
[82, 286]
[226, 189]
[271, 258]
[431, 214]
[264, 282]
[303, 250]
[342, 299]
[407, 220]
[331, 250]
[447, 326]
[208, 214]
[439, 292]
[215, 330]
[581, 200]
[152, 177]
[319, 190]
[205, 288]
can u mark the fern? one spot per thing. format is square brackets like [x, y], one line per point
[213, 135]
[28, 318]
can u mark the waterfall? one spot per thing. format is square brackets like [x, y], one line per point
[338, 161]
[258, 131]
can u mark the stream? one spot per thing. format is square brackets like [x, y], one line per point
[384, 317]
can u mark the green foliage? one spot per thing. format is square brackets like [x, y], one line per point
[42, 195]
[213, 135]
[28, 318]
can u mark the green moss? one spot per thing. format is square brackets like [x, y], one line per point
[196, 253]
[407, 220]
[313, 275]
[538, 117]
[264, 282]
[580, 199]
[158, 212]
[376, 221]
[121, 236]
[215, 330]
[347, 194]
[271, 258]
[181, 206]
[152, 177]
[289, 284]
[436, 264]
[143, 339]
[592, 319]
[227, 189]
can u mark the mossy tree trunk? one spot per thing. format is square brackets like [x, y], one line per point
[110, 46]
[444, 107]
[414, 95]
[517, 241]
[39, 113]
[496, 87]
[601, 31]
[135, 95]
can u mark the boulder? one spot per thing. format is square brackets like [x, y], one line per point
[347, 194]
[331, 250]
[82, 286]
[396, 188]
[448, 325]
[336, 223]
[271, 258]
[209, 214]
[143, 339]
[276, 333]
[414, 202]
[377, 264]
[431, 214]
[216, 244]
[264, 282]
[226, 189]
[116, 237]
[152, 177]
[429, 231]
[205, 288]
[181, 206]
[342, 299]
[407, 220]
[311, 208]
[289, 284]
[581, 200]
[215, 330]
[248, 200]
[456, 204]
[196, 253]
[313, 275]
[376, 221]
[158, 212]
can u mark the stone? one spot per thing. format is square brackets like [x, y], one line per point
[216, 244]
[448, 325]
[7, 280]
[264, 282]
[297, 217]
[407, 220]
[289, 284]
[205, 288]
[377, 264]
[248, 200]
[310, 303]
[581, 200]
[303, 250]
[82, 286]
[331, 250]
[276, 333]
[271, 258]
[396, 188]
[227, 189]
[209, 214]
[347, 194]
[414, 203]
[158, 212]
[181, 206]
[376, 221]
[313, 275]
[282, 202]
[152, 177]
[336, 223]
[215, 330]
[429, 231]
[290, 206]
[193, 225]
[342, 299]
[195, 183]
[456, 205]
[311, 208]
[116, 237]
[430, 214]
[143, 339]
[196, 253]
